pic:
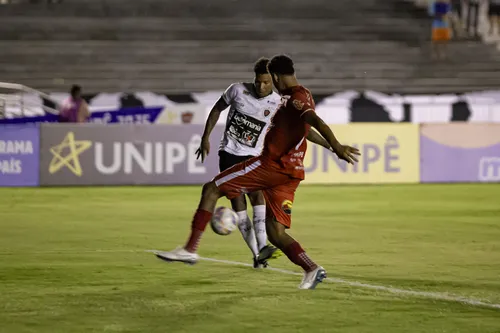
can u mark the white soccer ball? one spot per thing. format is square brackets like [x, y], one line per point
[224, 221]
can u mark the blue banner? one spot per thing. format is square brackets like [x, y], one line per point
[19, 155]
[48, 118]
[137, 115]
[127, 116]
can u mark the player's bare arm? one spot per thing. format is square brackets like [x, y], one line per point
[83, 113]
[315, 138]
[346, 153]
[212, 120]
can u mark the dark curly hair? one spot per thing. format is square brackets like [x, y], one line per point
[260, 66]
[281, 65]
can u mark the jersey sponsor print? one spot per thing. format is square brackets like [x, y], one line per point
[248, 119]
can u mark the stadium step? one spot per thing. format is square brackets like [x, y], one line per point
[195, 45]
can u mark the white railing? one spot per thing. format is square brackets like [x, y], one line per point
[17, 100]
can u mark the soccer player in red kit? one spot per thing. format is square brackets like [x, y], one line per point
[277, 172]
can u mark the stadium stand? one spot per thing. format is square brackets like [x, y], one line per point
[187, 46]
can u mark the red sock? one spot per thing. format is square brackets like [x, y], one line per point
[200, 221]
[298, 256]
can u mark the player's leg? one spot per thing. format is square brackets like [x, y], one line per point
[209, 196]
[434, 53]
[245, 226]
[250, 175]
[259, 222]
[256, 175]
[239, 204]
[259, 217]
[279, 203]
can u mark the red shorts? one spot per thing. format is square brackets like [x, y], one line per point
[259, 173]
[441, 34]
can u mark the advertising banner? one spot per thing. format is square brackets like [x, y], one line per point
[187, 113]
[174, 115]
[48, 118]
[138, 115]
[88, 154]
[19, 155]
[390, 154]
[460, 153]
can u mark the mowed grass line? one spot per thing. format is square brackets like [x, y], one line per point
[67, 262]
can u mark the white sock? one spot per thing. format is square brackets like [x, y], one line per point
[259, 222]
[247, 232]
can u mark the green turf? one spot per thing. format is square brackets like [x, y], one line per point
[72, 260]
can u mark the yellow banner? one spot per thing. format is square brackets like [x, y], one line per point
[390, 154]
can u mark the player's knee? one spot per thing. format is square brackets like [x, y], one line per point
[257, 198]
[275, 232]
[273, 239]
[210, 190]
[239, 204]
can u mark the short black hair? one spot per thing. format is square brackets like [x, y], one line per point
[75, 89]
[260, 66]
[281, 64]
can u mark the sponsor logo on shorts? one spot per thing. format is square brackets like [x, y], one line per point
[267, 113]
[287, 207]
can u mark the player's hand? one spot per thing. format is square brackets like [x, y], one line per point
[347, 153]
[204, 150]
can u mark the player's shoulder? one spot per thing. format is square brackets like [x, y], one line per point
[275, 97]
[301, 98]
[300, 92]
[240, 88]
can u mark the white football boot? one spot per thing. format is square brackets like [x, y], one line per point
[179, 254]
[312, 278]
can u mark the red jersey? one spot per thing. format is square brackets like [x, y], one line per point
[285, 142]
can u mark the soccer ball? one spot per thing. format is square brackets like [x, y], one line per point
[224, 221]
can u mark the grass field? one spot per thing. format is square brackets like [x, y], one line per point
[72, 260]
